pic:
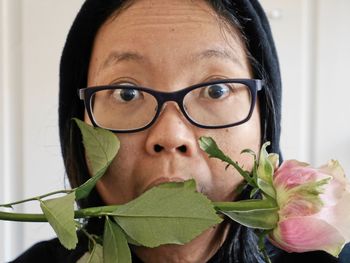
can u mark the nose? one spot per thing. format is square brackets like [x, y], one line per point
[171, 134]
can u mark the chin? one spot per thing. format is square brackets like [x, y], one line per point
[200, 249]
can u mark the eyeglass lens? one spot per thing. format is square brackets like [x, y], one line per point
[213, 105]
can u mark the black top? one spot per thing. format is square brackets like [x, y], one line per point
[52, 251]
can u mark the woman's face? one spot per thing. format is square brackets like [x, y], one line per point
[168, 45]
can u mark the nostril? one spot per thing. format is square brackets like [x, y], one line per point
[182, 148]
[158, 148]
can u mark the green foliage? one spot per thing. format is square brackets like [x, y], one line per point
[84, 190]
[94, 256]
[115, 245]
[60, 214]
[260, 178]
[265, 172]
[173, 213]
[101, 146]
[265, 218]
[248, 204]
[260, 214]
[208, 145]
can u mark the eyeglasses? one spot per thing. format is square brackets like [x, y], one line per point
[211, 105]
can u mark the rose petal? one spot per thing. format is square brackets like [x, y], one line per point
[338, 216]
[333, 192]
[293, 173]
[298, 206]
[334, 168]
[302, 234]
[283, 173]
[338, 185]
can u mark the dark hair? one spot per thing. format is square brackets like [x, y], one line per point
[245, 15]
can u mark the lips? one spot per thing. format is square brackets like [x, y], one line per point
[162, 180]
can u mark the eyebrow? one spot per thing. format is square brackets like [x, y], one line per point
[218, 53]
[120, 56]
[116, 57]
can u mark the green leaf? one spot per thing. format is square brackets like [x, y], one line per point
[265, 168]
[95, 256]
[254, 192]
[101, 146]
[131, 241]
[255, 173]
[260, 214]
[83, 190]
[274, 159]
[115, 245]
[244, 205]
[60, 214]
[173, 213]
[265, 218]
[208, 145]
[249, 151]
[265, 172]
[240, 188]
[267, 187]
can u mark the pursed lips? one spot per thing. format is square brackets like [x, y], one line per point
[162, 180]
[168, 171]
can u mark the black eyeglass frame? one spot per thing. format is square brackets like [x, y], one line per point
[254, 85]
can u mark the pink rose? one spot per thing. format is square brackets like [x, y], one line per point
[301, 208]
[314, 208]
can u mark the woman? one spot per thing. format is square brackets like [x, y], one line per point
[166, 46]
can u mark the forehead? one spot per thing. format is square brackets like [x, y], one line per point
[155, 32]
[140, 15]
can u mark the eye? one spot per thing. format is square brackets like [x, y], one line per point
[216, 91]
[127, 94]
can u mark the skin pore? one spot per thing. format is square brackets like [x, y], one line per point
[168, 45]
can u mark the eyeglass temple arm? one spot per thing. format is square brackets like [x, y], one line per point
[81, 93]
[261, 84]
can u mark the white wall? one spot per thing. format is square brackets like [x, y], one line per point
[332, 118]
[312, 39]
[291, 21]
[32, 35]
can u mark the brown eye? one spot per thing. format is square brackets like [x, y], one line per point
[216, 91]
[127, 94]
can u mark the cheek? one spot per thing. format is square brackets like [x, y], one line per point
[133, 168]
[119, 185]
[223, 182]
[232, 141]
[245, 136]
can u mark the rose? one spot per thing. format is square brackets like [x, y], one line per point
[314, 208]
[301, 208]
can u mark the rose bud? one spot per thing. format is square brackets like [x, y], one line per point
[314, 208]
